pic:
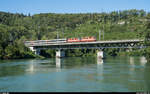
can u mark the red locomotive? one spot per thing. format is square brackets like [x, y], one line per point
[85, 39]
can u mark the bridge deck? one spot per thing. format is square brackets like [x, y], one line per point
[37, 43]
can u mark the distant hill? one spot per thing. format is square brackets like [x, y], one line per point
[16, 28]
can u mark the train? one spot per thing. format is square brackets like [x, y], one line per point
[70, 40]
[65, 40]
[84, 39]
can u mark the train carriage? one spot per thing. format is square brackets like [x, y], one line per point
[84, 39]
[53, 41]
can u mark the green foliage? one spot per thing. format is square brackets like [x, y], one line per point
[117, 25]
[48, 53]
[132, 53]
[147, 53]
[147, 39]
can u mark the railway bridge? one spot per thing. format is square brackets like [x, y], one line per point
[38, 45]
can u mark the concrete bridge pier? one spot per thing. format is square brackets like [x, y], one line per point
[32, 49]
[60, 53]
[36, 51]
[100, 54]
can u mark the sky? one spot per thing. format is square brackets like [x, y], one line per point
[71, 6]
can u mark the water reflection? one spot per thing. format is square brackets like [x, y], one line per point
[132, 72]
[143, 61]
[131, 60]
[31, 67]
[99, 61]
[100, 67]
[58, 64]
[90, 74]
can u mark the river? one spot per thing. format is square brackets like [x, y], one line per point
[75, 74]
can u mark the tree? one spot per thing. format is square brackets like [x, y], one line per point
[16, 28]
[147, 39]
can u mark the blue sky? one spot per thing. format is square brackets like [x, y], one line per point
[71, 6]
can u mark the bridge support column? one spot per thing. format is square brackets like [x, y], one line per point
[32, 49]
[100, 54]
[36, 51]
[60, 53]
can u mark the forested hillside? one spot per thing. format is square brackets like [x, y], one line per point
[17, 28]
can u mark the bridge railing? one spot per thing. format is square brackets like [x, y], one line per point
[36, 43]
[49, 42]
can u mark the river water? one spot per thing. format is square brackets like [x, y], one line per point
[75, 74]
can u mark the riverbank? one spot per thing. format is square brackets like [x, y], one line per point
[83, 53]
